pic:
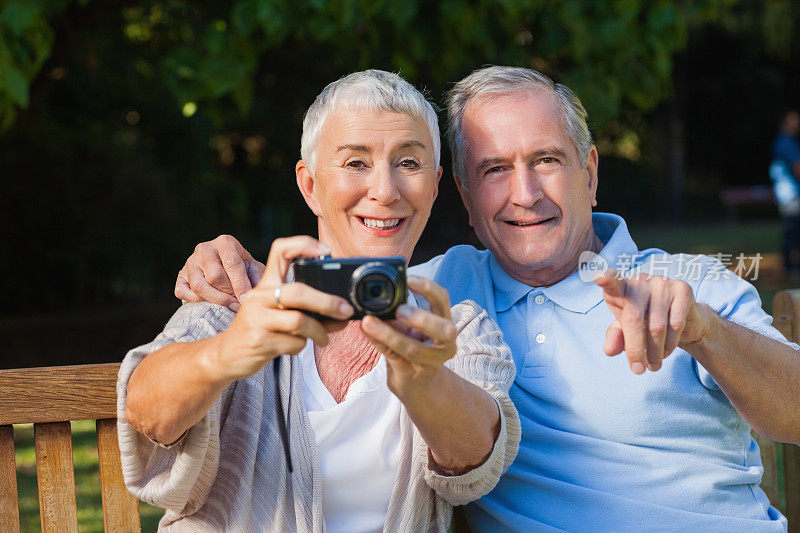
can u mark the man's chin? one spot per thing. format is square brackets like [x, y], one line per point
[534, 260]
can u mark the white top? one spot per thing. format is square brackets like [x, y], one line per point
[359, 446]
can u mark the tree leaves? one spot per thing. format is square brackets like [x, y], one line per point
[26, 41]
[614, 54]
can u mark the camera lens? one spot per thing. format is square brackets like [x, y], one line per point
[375, 288]
[375, 292]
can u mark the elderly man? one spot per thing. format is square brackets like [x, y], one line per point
[606, 445]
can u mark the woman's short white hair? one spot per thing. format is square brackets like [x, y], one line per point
[368, 90]
[498, 81]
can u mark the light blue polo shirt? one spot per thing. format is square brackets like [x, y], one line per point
[602, 448]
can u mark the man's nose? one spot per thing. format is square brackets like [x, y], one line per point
[383, 185]
[525, 188]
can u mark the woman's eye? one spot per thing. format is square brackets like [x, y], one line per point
[409, 163]
[355, 164]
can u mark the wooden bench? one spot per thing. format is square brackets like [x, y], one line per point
[737, 199]
[786, 319]
[50, 398]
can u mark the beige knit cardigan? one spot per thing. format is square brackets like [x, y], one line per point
[229, 471]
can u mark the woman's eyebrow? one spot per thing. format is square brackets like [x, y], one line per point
[353, 147]
[410, 144]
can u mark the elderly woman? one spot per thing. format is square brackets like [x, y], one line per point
[268, 419]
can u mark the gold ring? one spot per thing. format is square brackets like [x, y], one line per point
[278, 296]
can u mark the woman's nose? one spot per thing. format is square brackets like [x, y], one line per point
[383, 185]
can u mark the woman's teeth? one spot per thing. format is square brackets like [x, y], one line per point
[380, 224]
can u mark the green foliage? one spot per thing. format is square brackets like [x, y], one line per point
[25, 41]
[614, 54]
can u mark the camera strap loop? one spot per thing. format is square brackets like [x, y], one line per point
[283, 428]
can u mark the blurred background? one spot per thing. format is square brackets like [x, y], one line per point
[131, 131]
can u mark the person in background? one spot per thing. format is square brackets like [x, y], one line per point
[785, 175]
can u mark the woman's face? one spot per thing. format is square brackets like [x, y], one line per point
[375, 182]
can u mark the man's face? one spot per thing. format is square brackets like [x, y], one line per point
[375, 182]
[528, 196]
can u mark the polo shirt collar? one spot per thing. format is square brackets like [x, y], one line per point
[571, 293]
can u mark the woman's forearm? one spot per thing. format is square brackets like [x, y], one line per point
[173, 388]
[458, 420]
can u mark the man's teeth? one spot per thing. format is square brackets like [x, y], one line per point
[380, 224]
[515, 223]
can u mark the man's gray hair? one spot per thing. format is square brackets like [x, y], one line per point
[368, 90]
[497, 81]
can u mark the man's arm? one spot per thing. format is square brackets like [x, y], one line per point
[759, 375]
[219, 272]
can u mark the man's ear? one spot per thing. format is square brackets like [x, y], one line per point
[306, 182]
[465, 198]
[591, 174]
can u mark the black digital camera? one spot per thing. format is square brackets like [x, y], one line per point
[372, 285]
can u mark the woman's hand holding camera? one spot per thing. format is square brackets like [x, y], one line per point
[458, 420]
[269, 322]
[418, 342]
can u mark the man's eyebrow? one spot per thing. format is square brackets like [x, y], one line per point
[490, 162]
[550, 151]
[352, 147]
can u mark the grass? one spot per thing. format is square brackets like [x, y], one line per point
[710, 238]
[749, 238]
[87, 481]
[762, 237]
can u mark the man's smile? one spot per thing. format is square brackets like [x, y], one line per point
[529, 222]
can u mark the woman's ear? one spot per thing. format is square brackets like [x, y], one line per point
[438, 180]
[306, 182]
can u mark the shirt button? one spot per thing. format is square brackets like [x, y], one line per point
[540, 338]
[539, 299]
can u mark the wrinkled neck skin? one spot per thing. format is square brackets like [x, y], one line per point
[348, 356]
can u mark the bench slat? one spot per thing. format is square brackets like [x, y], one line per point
[120, 507]
[786, 313]
[769, 481]
[56, 477]
[791, 466]
[9, 503]
[786, 318]
[55, 394]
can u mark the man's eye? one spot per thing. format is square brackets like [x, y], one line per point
[548, 160]
[409, 163]
[494, 170]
